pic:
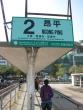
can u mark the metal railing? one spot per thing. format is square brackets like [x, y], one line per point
[8, 96]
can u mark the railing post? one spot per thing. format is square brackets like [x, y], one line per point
[1, 104]
[10, 100]
[77, 107]
[15, 94]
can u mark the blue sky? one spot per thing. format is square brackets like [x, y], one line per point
[16, 8]
[77, 12]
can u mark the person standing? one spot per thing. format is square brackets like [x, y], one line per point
[46, 94]
[37, 83]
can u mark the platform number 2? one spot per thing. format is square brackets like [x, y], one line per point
[31, 25]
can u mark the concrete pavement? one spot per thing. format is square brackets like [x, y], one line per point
[21, 102]
[72, 98]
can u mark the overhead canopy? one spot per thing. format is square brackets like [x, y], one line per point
[18, 56]
[46, 56]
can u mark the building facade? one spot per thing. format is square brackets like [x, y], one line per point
[74, 57]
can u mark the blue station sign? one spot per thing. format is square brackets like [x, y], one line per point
[42, 32]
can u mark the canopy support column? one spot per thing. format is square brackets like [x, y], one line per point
[31, 55]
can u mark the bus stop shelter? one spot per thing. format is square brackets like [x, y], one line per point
[77, 79]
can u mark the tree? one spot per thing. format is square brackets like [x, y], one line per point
[61, 70]
[54, 69]
[10, 70]
[76, 69]
[57, 70]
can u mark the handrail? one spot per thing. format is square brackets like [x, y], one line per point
[11, 89]
[6, 93]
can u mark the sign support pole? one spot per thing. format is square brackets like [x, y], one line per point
[31, 55]
[4, 19]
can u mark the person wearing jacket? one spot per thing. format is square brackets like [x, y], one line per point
[46, 94]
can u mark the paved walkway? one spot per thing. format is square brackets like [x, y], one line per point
[21, 96]
[22, 100]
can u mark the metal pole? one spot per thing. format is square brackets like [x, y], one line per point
[26, 8]
[10, 101]
[1, 105]
[73, 61]
[49, 14]
[15, 94]
[4, 19]
[80, 82]
[68, 10]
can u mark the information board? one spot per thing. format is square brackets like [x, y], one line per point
[41, 32]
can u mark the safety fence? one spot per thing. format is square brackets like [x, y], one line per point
[8, 96]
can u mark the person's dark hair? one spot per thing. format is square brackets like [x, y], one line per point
[46, 82]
